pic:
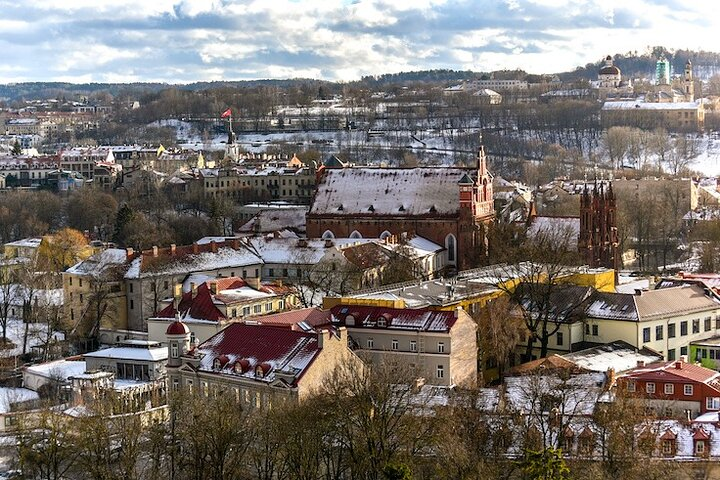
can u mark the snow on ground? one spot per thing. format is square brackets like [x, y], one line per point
[15, 332]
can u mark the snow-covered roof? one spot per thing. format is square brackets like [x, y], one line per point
[25, 242]
[225, 257]
[566, 229]
[241, 349]
[638, 105]
[100, 262]
[131, 353]
[618, 355]
[9, 396]
[58, 369]
[389, 191]
[276, 219]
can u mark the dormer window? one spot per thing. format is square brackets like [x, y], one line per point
[216, 364]
[381, 322]
[259, 371]
[371, 208]
[700, 448]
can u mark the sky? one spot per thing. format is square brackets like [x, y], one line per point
[183, 41]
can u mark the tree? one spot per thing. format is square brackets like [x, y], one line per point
[8, 291]
[500, 328]
[46, 446]
[546, 464]
[17, 149]
[539, 264]
[63, 249]
[616, 143]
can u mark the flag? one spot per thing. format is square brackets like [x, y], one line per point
[226, 113]
[160, 150]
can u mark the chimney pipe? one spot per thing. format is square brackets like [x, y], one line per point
[213, 246]
[130, 253]
[155, 250]
[195, 248]
[172, 249]
[678, 365]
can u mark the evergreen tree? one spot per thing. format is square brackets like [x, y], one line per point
[124, 215]
[17, 149]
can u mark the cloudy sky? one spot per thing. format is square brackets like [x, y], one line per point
[180, 41]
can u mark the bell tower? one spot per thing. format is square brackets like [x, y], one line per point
[688, 83]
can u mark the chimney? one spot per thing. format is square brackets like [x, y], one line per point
[254, 282]
[276, 234]
[609, 377]
[641, 363]
[130, 253]
[195, 248]
[235, 244]
[321, 337]
[155, 250]
[213, 246]
[213, 287]
[172, 249]
[679, 365]
[683, 358]
[457, 311]
[177, 292]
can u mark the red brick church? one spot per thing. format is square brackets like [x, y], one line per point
[598, 240]
[450, 206]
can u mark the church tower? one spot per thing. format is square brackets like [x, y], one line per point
[598, 239]
[688, 83]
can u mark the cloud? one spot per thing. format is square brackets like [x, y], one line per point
[189, 40]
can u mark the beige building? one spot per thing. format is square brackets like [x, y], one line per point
[665, 320]
[292, 184]
[208, 305]
[441, 346]
[257, 365]
[682, 116]
[95, 287]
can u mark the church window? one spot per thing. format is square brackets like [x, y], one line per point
[328, 235]
[451, 247]
[355, 234]
[385, 235]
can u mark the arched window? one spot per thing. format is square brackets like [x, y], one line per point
[327, 235]
[385, 235]
[355, 234]
[451, 247]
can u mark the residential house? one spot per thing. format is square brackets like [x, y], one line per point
[207, 305]
[665, 320]
[257, 365]
[674, 388]
[440, 345]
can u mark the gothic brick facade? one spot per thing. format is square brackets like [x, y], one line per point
[450, 206]
[598, 240]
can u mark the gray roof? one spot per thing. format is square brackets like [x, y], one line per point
[389, 191]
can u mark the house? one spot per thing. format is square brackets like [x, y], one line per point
[448, 206]
[674, 387]
[207, 305]
[440, 345]
[665, 320]
[258, 365]
[151, 275]
[96, 285]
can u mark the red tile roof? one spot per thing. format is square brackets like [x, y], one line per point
[421, 319]
[313, 317]
[201, 307]
[274, 349]
[701, 434]
[668, 371]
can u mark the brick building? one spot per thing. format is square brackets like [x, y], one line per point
[449, 206]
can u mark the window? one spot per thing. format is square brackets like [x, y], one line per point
[413, 346]
[281, 304]
[669, 389]
[395, 344]
[166, 285]
[700, 447]
[268, 307]
[717, 322]
[659, 332]
[683, 328]
[668, 447]
[205, 389]
[671, 330]
[176, 384]
[671, 354]
[595, 330]
[440, 371]
[683, 350]
[174, 350]
[132, 371]
[587, 329]
[132, 304]
[370, 343]
[189, 384]
[81, 282]
[244, 273]
[131, 286]
[441, 347]
[688, 389]
[559, 338]
[708, 323]
[271, 272]
[71, 283]
[712, 403]
[257, 308]
[646, 334]
[650, 387]
[696, 325]
[631, 386]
